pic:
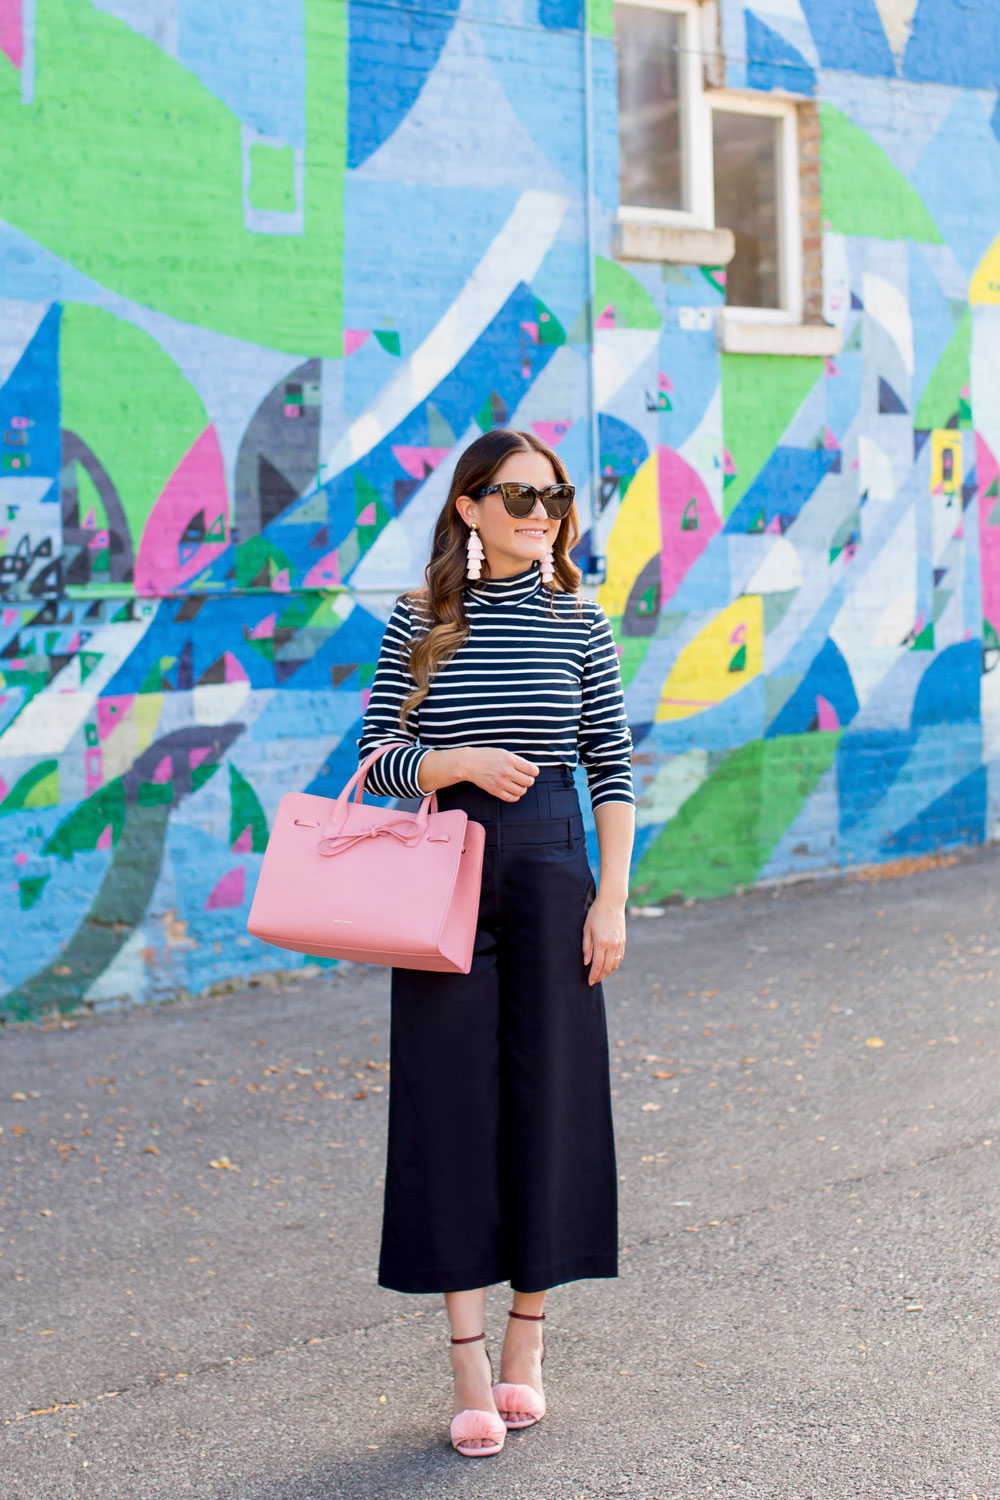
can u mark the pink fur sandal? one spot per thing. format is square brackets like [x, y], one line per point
[473, 1426]
[522, 1398]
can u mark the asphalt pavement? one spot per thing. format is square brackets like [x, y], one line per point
[808, 1120]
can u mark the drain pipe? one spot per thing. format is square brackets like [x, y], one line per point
[596, 568]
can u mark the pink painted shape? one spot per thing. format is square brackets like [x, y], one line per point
[531, 329]
[198, 754]
[826, 713]
[679, 484]
[989, 536]
[106, 837]
[164, 770]
[365, 695]
[264, 628]
[197, 484]
[606, 318]
[244, 844]
[324, 574]
[830, 366]
[20, 858]
[830, 440]
[89, 522]
[111, 711]
[234, 668]
[354, 338]
[551, 433]
[229, 891]
[281, 583]
[74, 644]
[98, 540]
[366, 517]
[960, 530]
[773, 527]
[414, 459]
[739, 635]
[11, 616]
[4, 788]
[665, 383]
[728, 465]
[11, 32]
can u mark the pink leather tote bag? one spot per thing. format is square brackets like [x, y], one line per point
[373, 884]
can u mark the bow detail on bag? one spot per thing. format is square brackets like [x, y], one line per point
[341, 841]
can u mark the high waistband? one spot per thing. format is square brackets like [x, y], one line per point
[552, 795]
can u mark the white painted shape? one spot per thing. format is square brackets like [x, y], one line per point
[836, 281]
[514, 256]
[618, 353]
[780, 572]
[786, 18]
[875, 471]
[52, 718]
[218, 702]
[15, 490]
[984, 369]
[897, 19]
[868, 631]
[702, 449]
[17, 329]
[888, 305]
[156, 19]
[675, 781]
[126, 974]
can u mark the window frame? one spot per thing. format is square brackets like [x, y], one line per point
[696, 163]
[749, 102]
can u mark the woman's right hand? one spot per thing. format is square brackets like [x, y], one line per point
[499, 772]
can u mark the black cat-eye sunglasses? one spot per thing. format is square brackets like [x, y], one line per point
[519, 499]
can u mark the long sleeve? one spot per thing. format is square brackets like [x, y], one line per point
[395, 773]
[604, 741]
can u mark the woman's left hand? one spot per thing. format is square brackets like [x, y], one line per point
[604, 937]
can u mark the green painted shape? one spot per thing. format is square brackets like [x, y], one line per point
[634, 649]
[245, 812]
[440, 433]
[119, 906]
[863, 193]
[925, 640]
[990, 638]
[128, 401]
[550, 330]
[256, 556]
[760, 395]
[201, 774]
[634, 307]
[941, 398]
[725, 832]
[739, 661]
[484, 416]
[600, 17]
[88, 820]
[38, 787]
[172, 236]
[272, 177]
[389, 339]
[29, 890]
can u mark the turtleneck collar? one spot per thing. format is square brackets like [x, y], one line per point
[510, 590]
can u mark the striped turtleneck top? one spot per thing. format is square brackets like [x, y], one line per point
[537, 675]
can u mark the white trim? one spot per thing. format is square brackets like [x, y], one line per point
[789, 214]
[738, 334]
[696, 156]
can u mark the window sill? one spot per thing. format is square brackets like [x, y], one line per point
[638, 239]
[743, 336]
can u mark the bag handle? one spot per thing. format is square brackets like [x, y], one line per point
[338, 814]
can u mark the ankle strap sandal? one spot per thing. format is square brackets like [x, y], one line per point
[477, 1426]
[523, 1399]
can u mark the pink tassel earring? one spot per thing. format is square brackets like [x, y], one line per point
[474, 549]
[548, 567]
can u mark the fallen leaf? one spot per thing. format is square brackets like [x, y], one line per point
[20, 1130]
[205, 1083]
[19, 1098]
[222, 1163]
[664, 1075]
[44, 1331]
[361, 1094]
[151, 1150]
[650, 1107]
[46, 1213]
[874, 1041]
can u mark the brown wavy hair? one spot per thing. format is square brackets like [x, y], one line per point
[441, 603]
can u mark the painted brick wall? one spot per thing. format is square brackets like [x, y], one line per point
[264, 276]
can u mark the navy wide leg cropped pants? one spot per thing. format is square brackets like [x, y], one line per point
[501, 1158]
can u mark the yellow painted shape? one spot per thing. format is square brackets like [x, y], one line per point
[701, 677]
[946, 440]
[985, 283]
[634, 538]
[44, 793]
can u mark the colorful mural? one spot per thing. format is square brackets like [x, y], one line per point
[265, 277]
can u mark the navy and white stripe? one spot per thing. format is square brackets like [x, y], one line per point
[538, 675]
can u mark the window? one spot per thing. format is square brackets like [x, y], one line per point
[708, 159]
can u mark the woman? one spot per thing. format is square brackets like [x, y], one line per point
[501, 1160]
